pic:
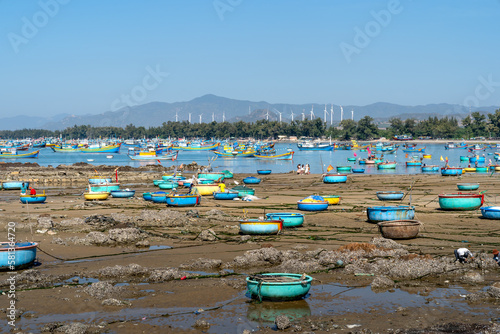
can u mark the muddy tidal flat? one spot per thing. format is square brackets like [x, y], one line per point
[131, 266]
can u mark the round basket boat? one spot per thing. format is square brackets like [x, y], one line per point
[331, 199]
[290, 219]
[399, 229]
[384, 213]
[264, 171]
[251, 180]
[491, 212]
[278, 286]
[390, 195]
[467, 186]
[312, 206]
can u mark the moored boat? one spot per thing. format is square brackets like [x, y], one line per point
[387, 165]
[312, 203]
[122, 193]
[451, 171]
[278, 286]
[461, 201]
[99, 196]
[430, 168]
[334, 178]
[385, 213]
[31, 199]
[243, 191]
[399, 229]
[491, 212]
[204, 189]
[251, 180]
[331, 199]
[390, 195]
[15, 155]
[414, 163]
[358, 170]
[290, 219]
[225, 195]
[95, 187]
[467, 186]
[99, 179]
[24, 254]
[219, 177]
[14, 185]
[183, 199]
[102, 149]
[344, 169]
[256, 226]
[264, 171]
[167, 185]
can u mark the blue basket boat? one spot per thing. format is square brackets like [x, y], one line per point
[312, 206]
[256, 226]
[146, 196]
[33, 199]
[290, 219]
[390, 195]
[468, 186]
[226, 195]
[183, 199]
[358, 170]
[491, 212]
[384, 213]
[97, 187]
[430, 169]
[451, 171]
[122, 193]
[159, 197]
[25, 254]
[251, 180]
[477, 159]
[278, 286]
[334, 178]
[461, 201]
[99, 179]
[264, 171]
[14, 185]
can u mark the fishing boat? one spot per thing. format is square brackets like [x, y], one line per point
[477, 159]
[468, 186]
[164, 185]
[390, 195]
[198, 147]
[331, 199]
[32, 199]
[464, 158]
[482, 169]
[427, 156]
[256, 226]
[334, 178]
[183, 199]
[310, 146]
[278, 286]
[430, 168]
[312, 203]
[24, 252]
[99, 195]
[219, 177]
[14, 185]
[204, 189]
[248, 153]
[414, 150]
[225, 195]
[264, 171]
[159, 197]
[414, 163]
[251, 180]
[461, 201]
[387, 165]
[399, 229]
[151, 155]
[102, 149]
[15, 155]
[99, 179]
[351, 159]
[174, 176]
[290, 219]
[385, 213]
[491, 212]
[108, 187]
[403, 137]
[275, 156]
[122, 193]
[243, 191]
[148, 195]
[227, 174]
[344, 169]
[451, 171]
[70, 149]
[452, 145]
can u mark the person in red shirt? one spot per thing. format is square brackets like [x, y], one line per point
[32, 191]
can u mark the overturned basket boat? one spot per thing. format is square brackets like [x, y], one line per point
[278, 286]
[399, 229]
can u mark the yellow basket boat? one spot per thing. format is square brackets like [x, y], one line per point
[205, 189]
[98, 195]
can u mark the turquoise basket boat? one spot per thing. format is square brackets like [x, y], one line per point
[461, 201]
[256, 226]
[491, 212]
[451, 171]
[251, 180]
[390, 195]
[227, 174]
[14, 185]
[278, 286]
[385, 213]
[430, 169]
[104, 187]
[99, 179]
[387, 165]
[468, 186]
[344, 169]
[334, 178]
[167, 185]
[358, 170]
[25, 254]
[290, 219]
[212, 176]
[183, 199]
[244, 191]
[122, 193]
[226, 195]
[464, 158]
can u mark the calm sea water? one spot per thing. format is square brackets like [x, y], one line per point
[318, 160]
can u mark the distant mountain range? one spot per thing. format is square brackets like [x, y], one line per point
[205, 107]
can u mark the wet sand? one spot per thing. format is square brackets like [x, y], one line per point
[147, 295]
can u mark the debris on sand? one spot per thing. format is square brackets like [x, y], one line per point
[31, 278]
[114, 302]
[169, 218]
[114, 237]
[472, 278]
[207, 235]
[493, 292]
[100, 222]
[263, 257]
[201, 324]
[44, 222]
[72, 328]
[102, 290]
[163, 275]
[121, 272]
[387, 243]
[202, 263]
[453, 327]
[282, 322]
[382, 282]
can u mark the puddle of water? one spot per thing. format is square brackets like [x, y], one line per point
[122, 284]
[157, 247]
[81, 280]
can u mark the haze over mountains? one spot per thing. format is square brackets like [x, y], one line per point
[208, 106]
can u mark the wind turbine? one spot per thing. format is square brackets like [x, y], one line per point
[279, 112]
[331, 115]
[200, 118]
[176, 117]
[352, 114]
[341, 114]
[303, 115]
[213, 117]
[189, 117]
[223, 116]
[267, 114]
[292, 115]
[324, 115]
[312, 112]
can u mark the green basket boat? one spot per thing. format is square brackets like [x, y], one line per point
[278, 286]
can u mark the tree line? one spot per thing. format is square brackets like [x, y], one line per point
[474, 125]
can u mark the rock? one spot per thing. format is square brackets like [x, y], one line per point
[472, 278]
[200, 323]
[387, 243]
[193, 214]
[102, 290]
[245, 238]
[78, 223]
[282, 322]
[96, 238]
[143, 244]
[166, 275]
[114, 302]
[202, 263]
[45, 222]
[73, 328]
[118, 271]
[166, 217]
[494, 291]
[126, 235]
[100, 222]
[382, 282]
[207, 235]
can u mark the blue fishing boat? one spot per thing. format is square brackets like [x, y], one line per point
[312, 206]
[358, 170]
[183, 199]
[278, 286]
[468, 186]
[414, 163]
[251, 180]
[478, 159]
[122, 193]
[264, 171]
[16, 155]
[14, 185]
[219, 177]
[461, 201]
[24, 255]
[310, 146]
[430, 169]
[387, 165]
[158, 197]
[334, 178]
[32, 199]
[225, 195]
[290, 219]
[147, 196]
[451, 171]
[414, 150]
[390, 195]
[384, 213]
[102, 149]
[491, 212]
[256, 226]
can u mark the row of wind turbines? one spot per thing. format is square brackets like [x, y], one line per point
[292, 114]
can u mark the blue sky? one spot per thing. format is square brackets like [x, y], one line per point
[89, 56]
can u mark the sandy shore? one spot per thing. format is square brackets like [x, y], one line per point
[105, 266]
